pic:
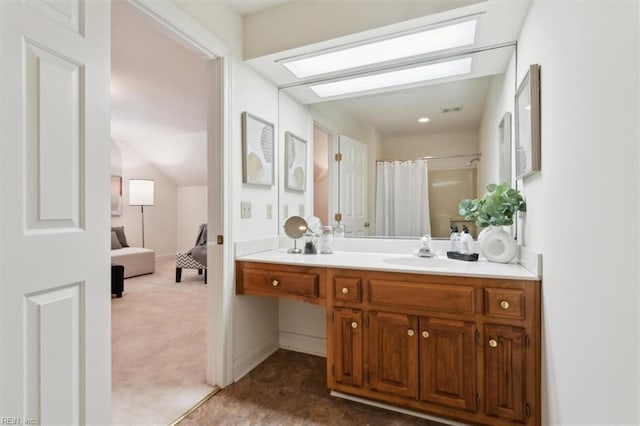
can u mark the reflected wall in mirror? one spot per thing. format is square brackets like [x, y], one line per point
[458, 141]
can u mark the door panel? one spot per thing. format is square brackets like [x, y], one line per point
[353, 185]
[447, 362]
[393, 353]
[504, 371]
[54, 247]
[348, 346]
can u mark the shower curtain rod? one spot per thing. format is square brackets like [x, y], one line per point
[433, 157]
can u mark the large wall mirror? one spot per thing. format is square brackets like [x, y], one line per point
[407, 156]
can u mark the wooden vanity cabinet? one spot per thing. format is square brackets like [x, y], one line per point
[463, 348]
[458, 347]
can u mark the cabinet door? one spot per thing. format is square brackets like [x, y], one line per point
[505, 366]
[448, 363]
[393, 353]
[347, 356]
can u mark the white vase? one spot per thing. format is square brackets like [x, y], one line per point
[497, 245]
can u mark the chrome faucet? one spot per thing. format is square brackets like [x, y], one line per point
[425, 250]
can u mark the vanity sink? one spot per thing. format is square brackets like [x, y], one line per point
[420, 262]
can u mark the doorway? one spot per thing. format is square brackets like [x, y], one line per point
[166, 19]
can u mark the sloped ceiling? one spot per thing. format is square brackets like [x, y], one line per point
[158, 97]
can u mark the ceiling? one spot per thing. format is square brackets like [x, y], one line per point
[247, 7]
[158, 105]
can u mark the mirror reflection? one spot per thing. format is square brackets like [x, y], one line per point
[406, 157]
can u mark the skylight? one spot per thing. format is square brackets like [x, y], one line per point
[408, 45]
[393, 78]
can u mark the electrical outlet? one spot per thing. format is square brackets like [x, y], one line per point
[245, 210]
[285, 211]
[301, 210]
[269, 211]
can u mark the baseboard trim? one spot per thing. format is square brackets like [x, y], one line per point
[250, 360]
[303, 343]
[396, 409]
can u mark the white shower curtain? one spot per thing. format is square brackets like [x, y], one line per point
[402, 200]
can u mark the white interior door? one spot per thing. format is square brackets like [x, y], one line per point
[353, 185]
[55, 300]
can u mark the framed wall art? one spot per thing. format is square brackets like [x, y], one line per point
[116, 195]
[295, 161]
[257, 150]
[527, 120]
[504, 152]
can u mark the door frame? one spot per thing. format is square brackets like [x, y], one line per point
[185, 29]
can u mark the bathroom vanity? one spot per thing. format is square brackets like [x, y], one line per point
[454, 339]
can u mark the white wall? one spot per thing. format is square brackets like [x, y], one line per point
[159, 219]
[191, 212]
[499, 101]
[583, 207]
[465, 142]
[295, 118]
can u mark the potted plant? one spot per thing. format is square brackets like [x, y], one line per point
[495, 209]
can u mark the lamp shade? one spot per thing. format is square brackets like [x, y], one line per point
[140, 192]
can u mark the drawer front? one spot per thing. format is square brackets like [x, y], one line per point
[347, 289]
[280, 282]
[435, 297]
[504, 303]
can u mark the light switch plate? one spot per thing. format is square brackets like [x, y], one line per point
[301, 210]
[245, 210]
[269, 211]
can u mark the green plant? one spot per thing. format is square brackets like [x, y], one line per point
[495, 208]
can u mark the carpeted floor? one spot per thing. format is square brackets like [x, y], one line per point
[158, 347]
[289, 388]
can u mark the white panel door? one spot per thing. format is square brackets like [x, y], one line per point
[55, 351]
[353, 185]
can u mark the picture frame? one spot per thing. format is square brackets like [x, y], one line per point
[257, 150]
[527, 123]
[295, 161]
[116, 195]
[504, 149]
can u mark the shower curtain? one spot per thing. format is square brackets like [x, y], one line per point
[402, 200]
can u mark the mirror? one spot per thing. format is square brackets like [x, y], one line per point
[295, 227]
[460, 142]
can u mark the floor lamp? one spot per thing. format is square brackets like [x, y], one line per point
[141, 194]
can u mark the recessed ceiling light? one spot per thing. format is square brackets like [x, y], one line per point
[393, 78]
[423, 120]
[404, 46]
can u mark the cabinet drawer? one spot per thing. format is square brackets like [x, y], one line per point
[280, 283]
[504, 303]
[347, 289]
[434, 297]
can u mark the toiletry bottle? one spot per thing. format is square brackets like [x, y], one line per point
[465, 240]
[455, 239]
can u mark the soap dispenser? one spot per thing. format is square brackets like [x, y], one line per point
[465, 240]
[455, 238]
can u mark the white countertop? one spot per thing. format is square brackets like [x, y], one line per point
[393, 262]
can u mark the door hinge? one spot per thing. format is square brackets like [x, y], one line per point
[338, 217]
[526, 341]
[333, 316]
[220, 240]
[366, 321]
[527, 409]
[338, 156]
[477, 336]
[333, 370]
[477, 401]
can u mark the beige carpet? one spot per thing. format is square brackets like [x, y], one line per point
[158, 347]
